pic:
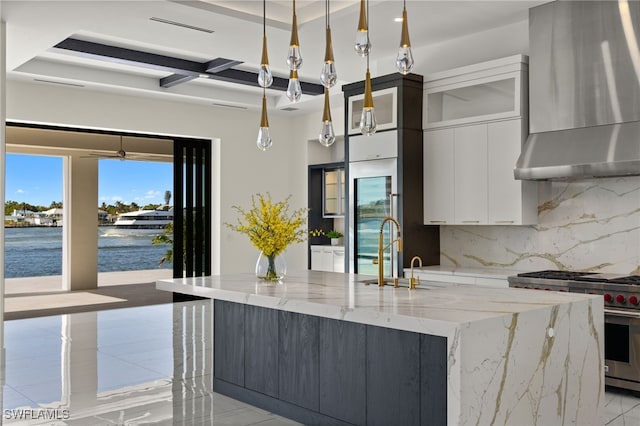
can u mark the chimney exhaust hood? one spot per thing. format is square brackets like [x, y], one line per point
[584, 84]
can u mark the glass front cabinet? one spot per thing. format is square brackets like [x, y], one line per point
[333, 192]
[477, 93]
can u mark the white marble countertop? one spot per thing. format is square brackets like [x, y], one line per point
[435, 308]
[498, 273]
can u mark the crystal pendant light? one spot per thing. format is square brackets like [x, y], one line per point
[294, 91]
[404, 60]
[329, 76]
[327, 136]
[363, 44]
[264, 139]
[265, 78]
[368, 116]
[294, 59]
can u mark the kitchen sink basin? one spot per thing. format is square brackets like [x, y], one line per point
[404, 282]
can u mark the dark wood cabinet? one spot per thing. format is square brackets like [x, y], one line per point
[322, 371]
[393, 379]
[228, 341]
[261, 350]
[316, 218]
[342, 370]
[417, 238]
[298, 359]
[433, 378]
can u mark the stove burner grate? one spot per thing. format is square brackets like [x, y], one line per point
[556, 275]
[631, 279]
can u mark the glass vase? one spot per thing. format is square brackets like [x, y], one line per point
[271, 268]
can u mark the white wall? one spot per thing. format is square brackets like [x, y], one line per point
[240, 168]
[496, 43]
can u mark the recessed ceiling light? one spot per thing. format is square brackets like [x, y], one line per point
[398, 19]
[229, 106]
[57, 82]
[180, 24]
[290, 109]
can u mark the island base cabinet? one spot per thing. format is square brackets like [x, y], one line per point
[261, 350]
[433, 380]
[228, 344]
[321, 371]
[342, 370]
[298, 359]
[393, 379]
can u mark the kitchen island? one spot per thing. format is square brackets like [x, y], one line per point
[323, 348]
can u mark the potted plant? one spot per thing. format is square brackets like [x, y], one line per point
[335, 236]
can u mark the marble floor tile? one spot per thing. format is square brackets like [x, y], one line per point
[622, 407]
[145, 365]
[148, 365]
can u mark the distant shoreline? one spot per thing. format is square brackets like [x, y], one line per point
[30, 225]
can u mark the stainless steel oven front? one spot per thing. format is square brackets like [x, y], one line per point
[622, 349]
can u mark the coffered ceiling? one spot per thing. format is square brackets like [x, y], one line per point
[223, 37]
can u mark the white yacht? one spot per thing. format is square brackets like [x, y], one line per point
[140, 222]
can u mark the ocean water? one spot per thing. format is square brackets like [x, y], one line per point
[32, 252]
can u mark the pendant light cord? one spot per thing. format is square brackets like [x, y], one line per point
[264, 17]
[368, 32]
[326, 13]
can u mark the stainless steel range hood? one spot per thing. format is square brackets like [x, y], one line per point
[584, 82]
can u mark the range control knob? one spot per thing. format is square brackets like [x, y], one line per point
[608, 298]
[633, 300]
[620, 299]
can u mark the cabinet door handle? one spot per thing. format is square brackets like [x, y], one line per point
[437, 221]
[339, 253]
[505, 221]
[470, 221]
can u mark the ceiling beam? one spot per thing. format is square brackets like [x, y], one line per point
[220, 64]
[175, 79]
[182, 70]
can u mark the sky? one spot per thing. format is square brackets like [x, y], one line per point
[37, 180]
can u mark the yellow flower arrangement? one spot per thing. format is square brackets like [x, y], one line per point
[270, 226]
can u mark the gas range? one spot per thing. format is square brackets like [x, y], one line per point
[619, 291]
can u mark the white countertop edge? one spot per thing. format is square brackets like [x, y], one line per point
[357, 315]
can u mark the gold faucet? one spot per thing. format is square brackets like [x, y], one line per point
[413, 282]
[382, 247]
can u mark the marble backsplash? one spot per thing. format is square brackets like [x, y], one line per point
[586, 225]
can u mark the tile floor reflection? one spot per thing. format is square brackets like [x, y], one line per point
[144, 365]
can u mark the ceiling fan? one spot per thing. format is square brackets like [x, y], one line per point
[122, 155]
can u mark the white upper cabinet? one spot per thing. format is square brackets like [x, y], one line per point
[475, 124]
[487, 91]
[438, 177]
[510, 201]
[470, 174]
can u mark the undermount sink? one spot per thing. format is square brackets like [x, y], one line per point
[404, 282]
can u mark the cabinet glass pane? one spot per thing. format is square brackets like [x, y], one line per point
[330, 192]
[341, 198]
[492, 97]
[372, 205]
[333, 192]
[383, 105]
